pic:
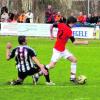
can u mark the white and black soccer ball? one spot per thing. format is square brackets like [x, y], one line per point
[82, 79]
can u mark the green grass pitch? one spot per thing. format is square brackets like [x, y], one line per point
[88, 64]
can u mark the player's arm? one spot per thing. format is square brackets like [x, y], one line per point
[36, 61]
[77, 42]
[8, 52]
[40, 65]
[51, 30]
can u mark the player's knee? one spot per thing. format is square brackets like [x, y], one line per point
[53, 65]
[74, 60]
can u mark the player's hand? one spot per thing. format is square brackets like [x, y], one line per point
[44, 71]
[9, 45]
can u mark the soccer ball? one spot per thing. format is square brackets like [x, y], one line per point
[82, 79]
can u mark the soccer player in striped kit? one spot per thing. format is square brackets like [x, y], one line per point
[26, 62]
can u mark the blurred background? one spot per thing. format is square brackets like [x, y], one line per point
[66, 7]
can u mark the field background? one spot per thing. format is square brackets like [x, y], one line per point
[88, 64]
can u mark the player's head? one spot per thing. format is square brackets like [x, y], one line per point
[22, 40]
[71, 21]
[62, 20]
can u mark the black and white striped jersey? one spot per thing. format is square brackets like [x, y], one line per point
[23, 56]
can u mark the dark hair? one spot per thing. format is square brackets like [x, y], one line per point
[11, 16]
[21, 39]
[4, 9]
[71, 20]
[62, 20]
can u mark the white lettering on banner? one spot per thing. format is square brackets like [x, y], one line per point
[31, 29]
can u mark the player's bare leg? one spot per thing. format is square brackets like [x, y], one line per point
[51, 65]
[37, 75]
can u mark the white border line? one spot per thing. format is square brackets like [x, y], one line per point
[45, 86]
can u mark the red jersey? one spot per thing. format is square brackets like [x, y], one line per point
[64, 33]
[81, 19]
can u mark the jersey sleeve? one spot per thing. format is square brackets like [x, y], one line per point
[69, 32]
[12, 54]
[32, 53]
[72, 39]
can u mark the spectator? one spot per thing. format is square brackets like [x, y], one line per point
[81, 17]
[4, 17]
[73, 14]
[16, 15]
[89, 19]
[29, 17]
[22, 17]
[98, 23]
[95, 18]
[85, 19]
[12, 18]
[58, 16]
[49, 13]
[4, 9]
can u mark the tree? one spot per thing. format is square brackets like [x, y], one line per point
[38, 7]
[17, 5]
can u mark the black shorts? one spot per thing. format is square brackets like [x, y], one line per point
[32, 71]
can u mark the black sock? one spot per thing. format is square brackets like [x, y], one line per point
[17, 82]
[47, 76]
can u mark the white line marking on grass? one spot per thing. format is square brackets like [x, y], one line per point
[45, 86]
[87, 47]
[75, 86]
[82, 99]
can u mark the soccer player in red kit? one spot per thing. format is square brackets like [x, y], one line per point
[59, 50]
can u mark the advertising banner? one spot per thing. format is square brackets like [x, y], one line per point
[42, 30]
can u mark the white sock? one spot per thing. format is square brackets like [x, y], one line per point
[40, 73]
[47, 66]
[35, 75]
[73, 70]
